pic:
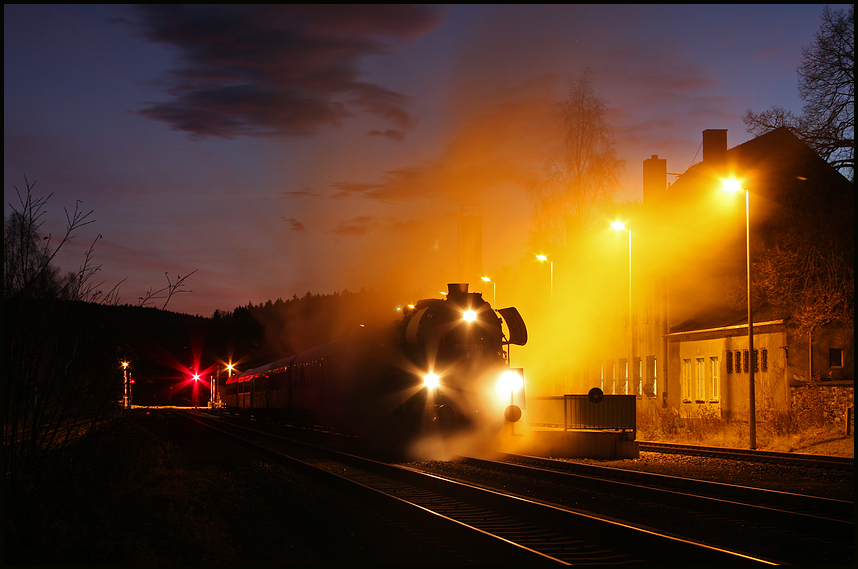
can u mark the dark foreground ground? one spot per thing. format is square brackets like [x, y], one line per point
[158, 492]
[183, 498]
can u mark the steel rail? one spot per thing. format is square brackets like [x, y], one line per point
[838, 462]
[533, 528]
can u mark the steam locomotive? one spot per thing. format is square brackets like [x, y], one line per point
[440, 369]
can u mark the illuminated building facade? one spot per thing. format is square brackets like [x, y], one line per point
[691, 324]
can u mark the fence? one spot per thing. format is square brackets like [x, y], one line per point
[613, 412]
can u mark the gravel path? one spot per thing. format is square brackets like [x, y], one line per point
[830, 483]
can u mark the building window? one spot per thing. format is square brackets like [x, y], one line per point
[835, 357]
[626, 370]
[714, 385]
[655, 376]
[738, 362]
[701, 379]
[729, 361]
[650, 387]
[686, 380]
[746, 361]
[764, 359]
[755, 361]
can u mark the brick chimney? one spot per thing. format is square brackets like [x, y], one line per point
[715, 147]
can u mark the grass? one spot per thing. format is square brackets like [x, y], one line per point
[780, 432]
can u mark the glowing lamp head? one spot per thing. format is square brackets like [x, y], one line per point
[509, 382]
[732, 185]
[196, 377]
[542, 257]
[618, 225]
[469, 315]
[431, 380]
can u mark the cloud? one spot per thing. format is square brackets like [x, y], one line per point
[278, 70]
[357, 226]
[503, 143]
[412, 182]
[295, 225]
[306, 192]
[391, 134]
[366, 224]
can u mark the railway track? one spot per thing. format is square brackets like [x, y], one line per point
[483, 524]
[838, 462]
[769, 524]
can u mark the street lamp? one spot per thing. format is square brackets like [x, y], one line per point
[494, 289]
[195, 397]
[551, 274]
[125, 399]
[619, 226]
[735, 186]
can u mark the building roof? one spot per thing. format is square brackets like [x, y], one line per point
[783, 176]
[779, 169]
[719, 314]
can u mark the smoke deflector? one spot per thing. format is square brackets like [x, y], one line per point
[515, 324]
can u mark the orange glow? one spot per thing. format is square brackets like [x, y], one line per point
[732, 185]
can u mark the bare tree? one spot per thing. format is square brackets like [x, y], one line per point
[826, 82]
[167, 292]
[811, 275]
[61, 378]
[576, 188]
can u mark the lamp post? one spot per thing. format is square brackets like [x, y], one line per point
[125, 399]
[551, 274]
[494, 289]
[734, 186]
[620, 226]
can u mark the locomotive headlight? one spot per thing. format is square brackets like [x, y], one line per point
[430, 380]
[469, 315]
[509, 382]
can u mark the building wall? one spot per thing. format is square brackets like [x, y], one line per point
[693, 389]
[823, 365]
[837, 400]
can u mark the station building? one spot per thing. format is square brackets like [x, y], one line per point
[690, 323]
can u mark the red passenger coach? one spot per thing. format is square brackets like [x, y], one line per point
[436, 370]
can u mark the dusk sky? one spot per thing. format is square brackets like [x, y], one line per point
[280, 150]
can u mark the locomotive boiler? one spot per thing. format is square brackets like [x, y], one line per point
[441, 369]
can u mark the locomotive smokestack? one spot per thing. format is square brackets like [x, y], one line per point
[456, 289]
